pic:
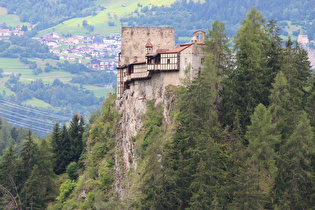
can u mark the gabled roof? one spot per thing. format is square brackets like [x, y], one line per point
[162, 50]
[178, 49]
[139, 62]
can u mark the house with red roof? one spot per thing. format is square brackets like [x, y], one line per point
[169, 65]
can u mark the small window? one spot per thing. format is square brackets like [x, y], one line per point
[168, 61]
[202, 60]
[185, 60]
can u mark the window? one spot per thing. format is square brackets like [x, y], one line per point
[185, 60]
[168, 61]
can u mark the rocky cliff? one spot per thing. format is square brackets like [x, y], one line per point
[133, 106]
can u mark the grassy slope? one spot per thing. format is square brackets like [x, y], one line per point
[100, 21]
[10, 20]
[36, 103]
[15, 66]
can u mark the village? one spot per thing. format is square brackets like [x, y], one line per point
[96, 52]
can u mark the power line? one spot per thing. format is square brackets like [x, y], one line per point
[32, 122]
[10, 104]
[27, 125]
[26, 116]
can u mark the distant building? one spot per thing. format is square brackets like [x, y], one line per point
[149, 51]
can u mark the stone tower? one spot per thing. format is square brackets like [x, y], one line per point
[134, 40]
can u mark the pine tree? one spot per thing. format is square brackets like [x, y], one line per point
[56, 147]
[33, 193]
[262, 137]
[8, 183]
[241, 189]
[294, 184]
[199, 139]
[66, 151]
[297, 70]
[29, 155]
[281, 106]
[310, 105]
[273, 51]
[75, 134]
[45, 167]
[249, 80]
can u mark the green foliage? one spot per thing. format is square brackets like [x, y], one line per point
[188, 16]
[295, 183]
[97, 178]
[75, 131]
[57, 94]
[72, 170]
[33, 191]
[24, 47]
[48, 13]
[246, 87]
[65, 190]
[152, 124]
[95, 78]
[238, 137]
[262, 138]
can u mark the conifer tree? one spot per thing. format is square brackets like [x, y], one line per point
[273, 50]
[294, 184]
[75, 134]
[262, 137]
[56, 147]
[297, 70]
[45, 167]
[8, 182]
[29, 155]
[195, 158]
[241, 191]
[247, 85]
[281, 106]
[66, 151]
[33, 192]
[310, 105]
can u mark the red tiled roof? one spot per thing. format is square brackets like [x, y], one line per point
[162, 50]
[139, 62]
[185, 44]
[149, 44]
[178, 49]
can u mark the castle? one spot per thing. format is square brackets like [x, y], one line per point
[148, 52]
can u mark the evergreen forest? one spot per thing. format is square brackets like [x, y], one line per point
[240, 136]
[189, 16]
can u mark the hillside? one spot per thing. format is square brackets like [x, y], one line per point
[33, 78]
[216, 142]
[237, 134]
[105, 22]
[189, 16]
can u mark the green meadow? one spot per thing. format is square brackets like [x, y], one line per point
[9, 19]
[27, 76]
[113, 12]
[36, 103]
[99, 91]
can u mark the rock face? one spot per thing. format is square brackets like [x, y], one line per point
[132, 105]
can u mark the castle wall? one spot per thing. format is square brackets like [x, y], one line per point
[190, 56]
[134, 39]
